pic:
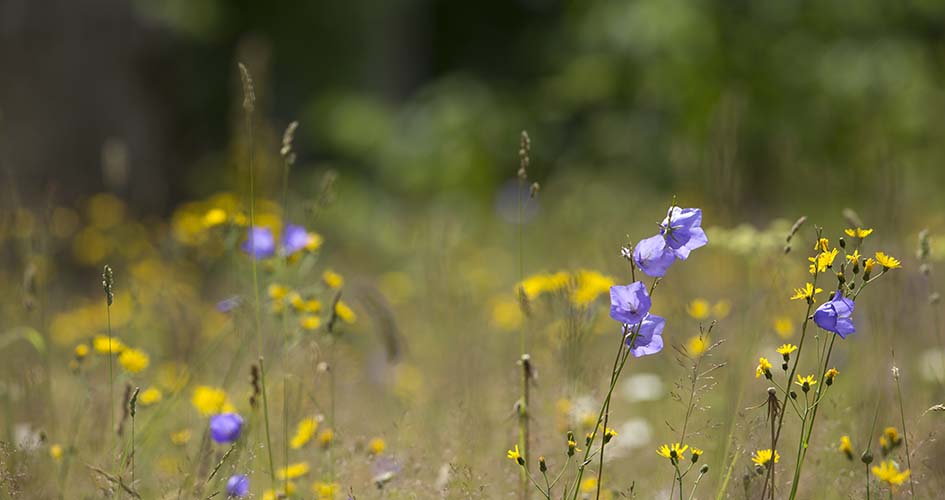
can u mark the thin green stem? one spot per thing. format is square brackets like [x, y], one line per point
[867, 467]
[905, 430]
[804, 441]
[111, 380]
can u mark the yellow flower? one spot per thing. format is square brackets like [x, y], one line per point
[308, 322]
[609, 434]
[823, 260]
[808, 292]
[538, 284]
[314, 242]
[888, 472]
[345, 313]
[325, 491]
[514, 455]
[589, 485]
[101, 345]
[858, 232]
[181, 437]
[830, 374]
[304, 432]
[214, 217]
[890, 438]
[506, 313]
[868, 265]
[673, 451]
[589, 286]
[854, 257]
[783, 326]
[846, 447]
[822, 245]
[333, 279]
[134, 360]
[763, 457]
[277, 291]
[764, 367]
[150, 396]
[698, 309]
[696, 453]
[721, 309]
[697, 345]
[82, 351]
[786, 349]
[209, 400]
[377, 446]
[326, 437]
[55, 451]
[888, 261]
[278, 495]
[805, 382]
[293, 471]
[311, 306]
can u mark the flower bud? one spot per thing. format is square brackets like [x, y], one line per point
[843, 242]
[704, 469]
[867, 457]
[542, 466]
[793, 395]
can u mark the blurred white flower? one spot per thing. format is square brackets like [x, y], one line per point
[631, 435]
[642, 387]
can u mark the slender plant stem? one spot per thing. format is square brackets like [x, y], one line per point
[867, 467]
[804, 441]
[600, 468]
[111, 380]
[905, 430]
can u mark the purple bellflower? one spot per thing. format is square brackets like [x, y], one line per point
[259, 243]
[294, 239]
[226, 427]
[836, 315]
[237, 486]
[682, 229]
[629, 303]
[653, 256]
[649, 338]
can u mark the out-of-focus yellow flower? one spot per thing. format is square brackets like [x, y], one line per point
[150, 396]
[377, 446]
[102, 345]
[325, 491]
[210, 400]
[293, 471]
[858, 232]
[312, 306]
[134, 360]
[173, 376]
[314, 242]
[332, 279]
[888, 472]
[309, 322]
[697, 345]
[542, 283]
[304, 432]
[721, 309]
[290, 489]
[589, 485]
[55, 451]
[82, 351]
[277, 291]
[783, 326]
[590, 285]
[326, 437]
[846, 447]
[214, 217]
[698, 309]
[345, 313]
[888, 261]
[506, 313]
[181, 437]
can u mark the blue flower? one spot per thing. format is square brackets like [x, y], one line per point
[682, 229]
[229, 304]
[259, 243]
[294, 239]
[237, 486]
[649, 338]
[653, 256]
[836, 315]
[226, 427]
[629, 303]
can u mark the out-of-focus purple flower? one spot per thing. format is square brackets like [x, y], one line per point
[682, 229]
[385, 469]
[226, 427]
[649, 338]
[653, 256]
[294, 239]
[228, 304]
[836, 315]
[237, 486]
[259, 243]
[629, 303]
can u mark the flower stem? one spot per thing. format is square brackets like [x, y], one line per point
[905, 431]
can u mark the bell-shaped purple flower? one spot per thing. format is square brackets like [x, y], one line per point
[682, 229]
[237, 486]
[629, 303]
[260, 243]
[294, 239]
[649, 337]
[836, 315]
[226, 427]
[653, 256]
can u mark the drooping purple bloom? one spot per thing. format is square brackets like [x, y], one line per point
[259, 243]
[226, 427]
[237, 486]
[294, 239]
[629, 303]
[649, 338]
[682, 229]
[836, 315]
[653, 256]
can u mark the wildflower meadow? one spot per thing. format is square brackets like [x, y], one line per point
[660, 269]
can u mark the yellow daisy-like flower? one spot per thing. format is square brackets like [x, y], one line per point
[314, 242]
[293, 471]
[515, 455]
[697, 345]
[332, 279]
[888, 472]
[673, 451]
[277, 291]
[822, 245]
[764, 367]
[891, 436]
[311, 306]
[822, 261]
[786, 349]
[763, 457]
[377, 446]
[698, 309]
[854, 257]
[181, 437]
[345, 313]
[783, 326]
[830, 374]
[101, 345]
[589, 485]
[808, 292]
[846, 447]
[82, 350]
[696, 453]
[805, 381]
[888, 261]
[134, 360]
[325, 491]
[278, 495]
[304, 433]
[55, 451]
[150, 396]
[209, 400]
[857, 232]
[326, 437]
[868, 265]
[309, 322]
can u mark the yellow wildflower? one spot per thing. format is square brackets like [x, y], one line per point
[888, 472]
[214, 217]
[181, 437]
[309, 322]
[868, 265]
[314, 242]
[764, 368]
[325, 491]
[209, 400]
[332, 279]
[698, 309]
[293, 471]
[101, 345]
[312, 306]
[721, 309]
[857, 232]
[846, 447]
[377, 446]
[830, 374]
[673, 451]
[808, 292]
[134, 360]
[82, 351]
[805, 382]
[277, 291]
[783, 326]
[786, 350]
[763, 457]
[822, 261]
[55, 451]
[515, 456]
[589, 286]
[696, 453]
[854, 258]
[304, 432]
[822, 245]
[589, 485]
[345, 313]
[326, 437]
[150, 396]
[888, 261]
[697, 345]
